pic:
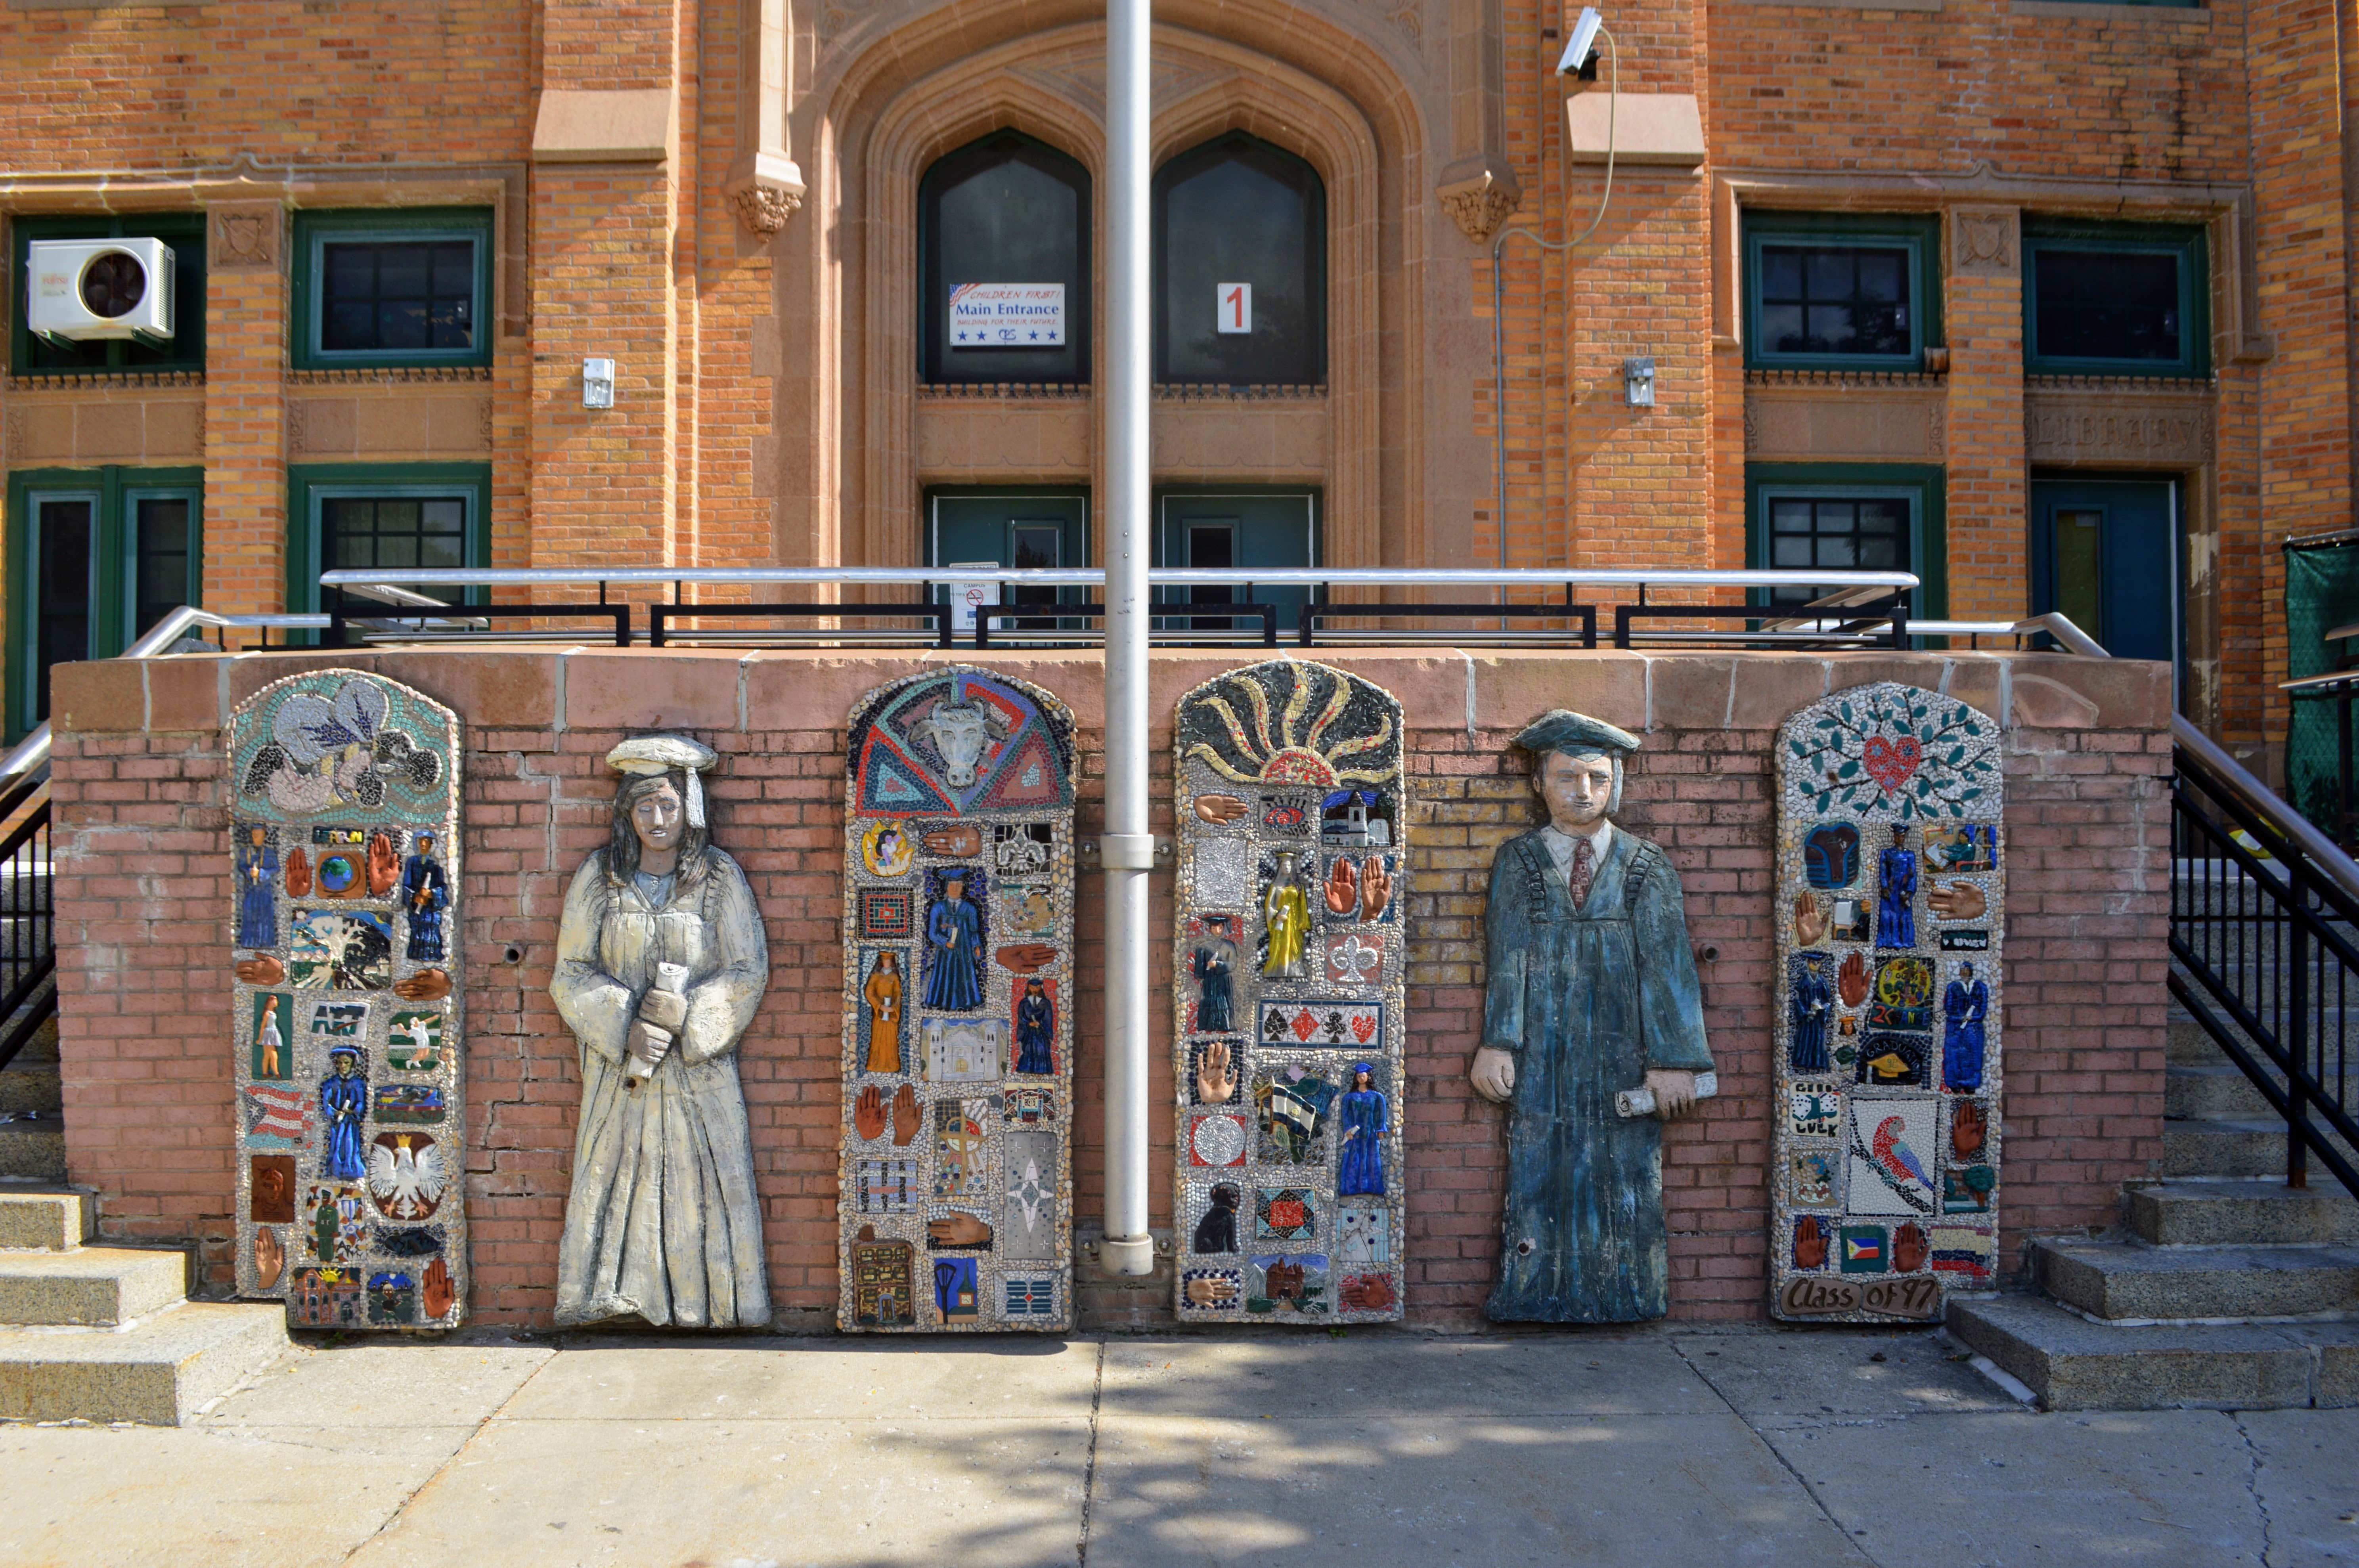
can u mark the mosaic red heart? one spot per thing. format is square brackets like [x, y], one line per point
[1363, 1027]
[1890, 762]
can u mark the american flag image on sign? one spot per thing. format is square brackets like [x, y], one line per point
[1032, 1296]
[275, 1113]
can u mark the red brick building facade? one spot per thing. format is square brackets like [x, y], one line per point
[2047, 301]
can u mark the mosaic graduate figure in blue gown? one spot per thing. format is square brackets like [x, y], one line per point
[424, 893]
[257, 890]
[954, 963]
[1359, 1167]
[1036, 1030]
[1965, 1012]
[1592, 990]
[1896, 893]
[344, 1102]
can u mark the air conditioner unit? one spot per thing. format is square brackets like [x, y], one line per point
[77, 290]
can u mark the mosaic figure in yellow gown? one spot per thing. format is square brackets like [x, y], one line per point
[1286, 911]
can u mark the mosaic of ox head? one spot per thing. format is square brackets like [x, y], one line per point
[960, 732]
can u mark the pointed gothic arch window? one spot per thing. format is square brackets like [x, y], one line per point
[1006, 209]
[1238, 211]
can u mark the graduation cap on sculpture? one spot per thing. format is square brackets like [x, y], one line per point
[662, 754]
[1560, 729]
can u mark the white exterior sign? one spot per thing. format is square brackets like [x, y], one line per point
[966, 596]
[1007, 315]
[1233, 307]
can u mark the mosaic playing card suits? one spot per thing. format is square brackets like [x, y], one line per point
[344, 862]
[958, 1055]
[1292, 808]
[1891, 902]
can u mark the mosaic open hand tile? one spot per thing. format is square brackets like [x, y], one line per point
[958, 1043]
[1891, 889]
[345, 1014]
[1290, 791]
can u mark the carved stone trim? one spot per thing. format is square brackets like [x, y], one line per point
[766, 190]
[1985, 242]
[1877, 378]
[1845, 425]
[1481, 203]
[101, 380]
[244, 239]
[2122, 428]
[389, 376]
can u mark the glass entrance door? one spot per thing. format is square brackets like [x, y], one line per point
[2105, 553]
[1236, 528]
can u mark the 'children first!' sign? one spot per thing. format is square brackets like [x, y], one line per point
[1007, 315]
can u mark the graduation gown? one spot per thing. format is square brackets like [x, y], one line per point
[663, 1220]
[1587, 1001]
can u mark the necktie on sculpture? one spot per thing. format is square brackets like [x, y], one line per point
[1584, 869]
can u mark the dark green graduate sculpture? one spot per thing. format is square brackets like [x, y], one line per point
[1593, 992]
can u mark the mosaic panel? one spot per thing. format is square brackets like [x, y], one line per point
[958, 1053]
[1288, 1010]
[346, 1026]
[1892, 915]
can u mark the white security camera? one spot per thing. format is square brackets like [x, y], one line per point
[1584, 40]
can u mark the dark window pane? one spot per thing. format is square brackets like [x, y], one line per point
[401, 324]
[1003, 210]
[1240, 211]
[1834, 299]
[1838, 533]
[398, 296]
[394, 531]
[2099, 304]
[1781, 328]
[63, 634]
[1035, 548]
[160, 526]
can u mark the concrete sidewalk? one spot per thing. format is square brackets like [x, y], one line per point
[1657, 1446]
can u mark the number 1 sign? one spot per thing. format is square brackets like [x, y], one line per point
[1234, 307]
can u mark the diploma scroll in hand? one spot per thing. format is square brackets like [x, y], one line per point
[661, 1013]
[1640, 1102]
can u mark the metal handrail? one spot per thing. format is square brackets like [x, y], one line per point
[33, 751]
[1091, 576]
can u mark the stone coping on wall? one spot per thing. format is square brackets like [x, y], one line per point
[594, 688]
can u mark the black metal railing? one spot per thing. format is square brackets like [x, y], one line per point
[29, 949]
[2265, 939]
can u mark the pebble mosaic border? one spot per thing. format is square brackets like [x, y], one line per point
[1285, 757]
[1891, 908]
[955, 1205]
[347, 1024]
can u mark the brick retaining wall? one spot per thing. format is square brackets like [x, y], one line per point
[143, 893]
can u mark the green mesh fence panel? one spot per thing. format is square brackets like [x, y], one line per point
[2322, 593]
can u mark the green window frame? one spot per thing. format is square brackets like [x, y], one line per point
[1918, 234]
[311, 486]
[316, 231]
[120, 565]
[1922, 486]
[184, 231]
[2184, 242]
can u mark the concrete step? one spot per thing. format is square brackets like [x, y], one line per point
[160, 1372]
[34, 1149]
[2131, 1279]
[2075, 1365]
[2200, 1212]
[90, 1286]
[2212, 1089]
[29, 1086]
[47, 1221]
[2223, 1147]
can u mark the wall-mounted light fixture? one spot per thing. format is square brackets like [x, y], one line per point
[1638, 381]
[597, 383]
